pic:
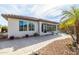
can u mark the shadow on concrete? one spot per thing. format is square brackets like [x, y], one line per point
[21, 43]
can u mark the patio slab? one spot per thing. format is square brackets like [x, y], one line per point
[27, 45]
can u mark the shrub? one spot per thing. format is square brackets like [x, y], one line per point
[71, 47]
[36, 34]
[11, 37]
[26, 35]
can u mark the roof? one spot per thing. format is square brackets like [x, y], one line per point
[26, 18]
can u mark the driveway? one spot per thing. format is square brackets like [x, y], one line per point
[27, 45]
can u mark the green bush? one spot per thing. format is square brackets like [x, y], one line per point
[36, 34]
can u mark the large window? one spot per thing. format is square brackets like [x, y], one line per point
[22, 26]
[31, 27]
[53, 27]
[48, 28]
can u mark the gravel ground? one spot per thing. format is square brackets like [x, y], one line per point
[58, 47]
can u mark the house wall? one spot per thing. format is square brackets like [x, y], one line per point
[13, 28]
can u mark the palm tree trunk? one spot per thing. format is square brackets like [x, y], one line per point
[77, 40]
[70, 33]
[77, 32]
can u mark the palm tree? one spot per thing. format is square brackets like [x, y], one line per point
[71, 19]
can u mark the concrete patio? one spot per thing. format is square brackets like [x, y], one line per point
[27, 45]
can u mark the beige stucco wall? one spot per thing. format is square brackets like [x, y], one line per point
[13, 28]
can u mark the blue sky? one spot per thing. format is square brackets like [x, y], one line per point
[43, 11]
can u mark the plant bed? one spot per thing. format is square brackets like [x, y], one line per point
[58, 47]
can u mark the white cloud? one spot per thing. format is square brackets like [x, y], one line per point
[36, 10]
[41, 10]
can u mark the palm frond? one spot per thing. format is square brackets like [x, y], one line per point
[68, 13]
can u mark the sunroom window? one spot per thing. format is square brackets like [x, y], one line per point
[53, 27]
[48, 28]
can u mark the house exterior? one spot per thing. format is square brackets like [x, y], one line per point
[19, 26]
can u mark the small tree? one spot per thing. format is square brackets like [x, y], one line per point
[4, 29]
[71, 19]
